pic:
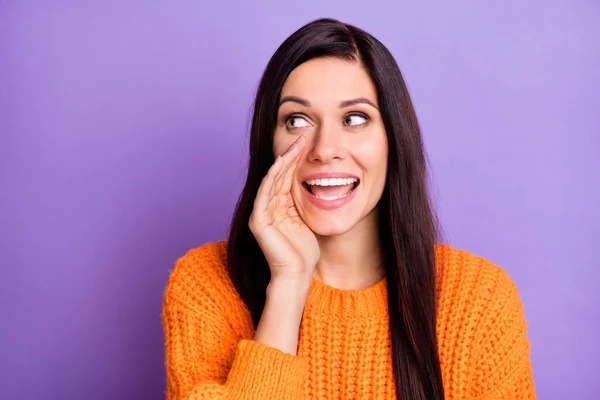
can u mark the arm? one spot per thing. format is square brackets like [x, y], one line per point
[206, 359]
[502, 356]
[279, 324]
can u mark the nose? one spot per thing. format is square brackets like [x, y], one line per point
[325, 146]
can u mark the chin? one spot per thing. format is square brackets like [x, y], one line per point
[332, 218]
[329, 225]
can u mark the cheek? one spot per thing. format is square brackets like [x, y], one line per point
[372, 155]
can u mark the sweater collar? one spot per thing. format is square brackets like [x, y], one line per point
[340, 303]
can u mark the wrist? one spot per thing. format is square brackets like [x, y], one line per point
[288, 293]
[282, 315]
[289, 287]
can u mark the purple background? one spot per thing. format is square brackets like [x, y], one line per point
[123, 144]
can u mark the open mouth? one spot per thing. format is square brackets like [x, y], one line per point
[331, 188]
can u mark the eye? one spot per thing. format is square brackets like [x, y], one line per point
[356, 119]
[296, 121]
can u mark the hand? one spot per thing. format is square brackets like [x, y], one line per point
[290, 247]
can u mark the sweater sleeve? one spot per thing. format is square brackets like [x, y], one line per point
[206, 358]
[502, 359]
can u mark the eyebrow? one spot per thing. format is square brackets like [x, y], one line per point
[343, 104]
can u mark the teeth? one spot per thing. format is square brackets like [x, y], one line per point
[332, 181]
[333, 197]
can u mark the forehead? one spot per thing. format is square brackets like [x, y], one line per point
[327, 80]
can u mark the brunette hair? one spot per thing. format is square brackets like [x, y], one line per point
[407, 224]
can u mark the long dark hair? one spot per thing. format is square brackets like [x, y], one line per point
[407, 226]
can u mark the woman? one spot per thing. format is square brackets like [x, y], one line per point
[331, 284]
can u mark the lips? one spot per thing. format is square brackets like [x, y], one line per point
[330, 190]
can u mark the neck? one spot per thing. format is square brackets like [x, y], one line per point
[354, 259]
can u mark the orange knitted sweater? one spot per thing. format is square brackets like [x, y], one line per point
[344, 345]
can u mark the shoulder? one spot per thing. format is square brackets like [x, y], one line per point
[475, 293]
[465, 274]
[481, 327]
[200, 279]
[201, 266]
[203, 316]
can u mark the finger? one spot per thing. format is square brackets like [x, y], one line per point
[263, 195]
[290, 157]
[283, 181]
[290, 154]
[284, 185]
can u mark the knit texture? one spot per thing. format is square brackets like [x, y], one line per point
[344, 346]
